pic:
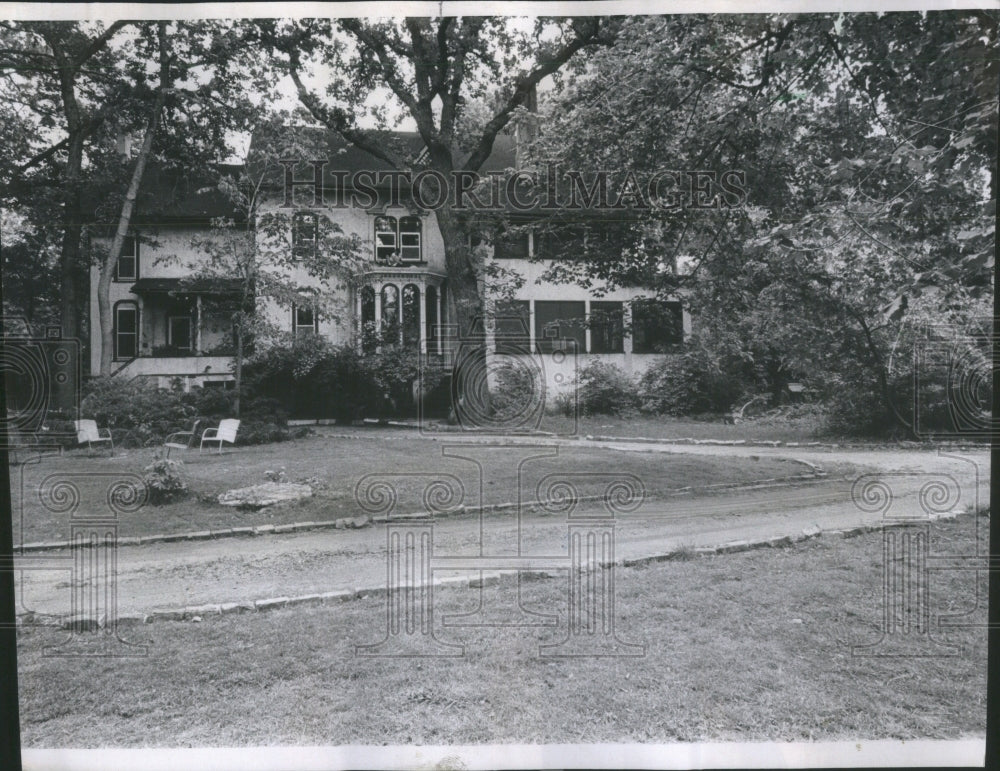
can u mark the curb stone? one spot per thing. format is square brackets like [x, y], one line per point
[488, 579]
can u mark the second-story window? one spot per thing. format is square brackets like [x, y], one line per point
[409, 239]
[127, 268]
[305, 235]
[385, 239]
[398, 240]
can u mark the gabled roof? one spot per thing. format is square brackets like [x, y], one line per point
[314, 143]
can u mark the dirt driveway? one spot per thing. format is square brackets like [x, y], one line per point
[244, 569]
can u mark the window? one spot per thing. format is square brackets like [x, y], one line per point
[367, 319]
[409, 239]
[126, 330]
[179, 332]
[657, 327]
[556, 321]
[606, 327]
[304, 320]
[385, 239]
[398, 240]
[305, 235]
[390, 314]
[411, 316]
[431, 301]
[127, 268]
[512, 325]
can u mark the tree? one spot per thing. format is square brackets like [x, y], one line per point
[430, 68]
[107, 264]
[866, 142]
[61, 72]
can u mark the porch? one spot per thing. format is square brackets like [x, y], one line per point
[177, 329]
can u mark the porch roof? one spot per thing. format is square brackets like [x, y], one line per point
[204, 286]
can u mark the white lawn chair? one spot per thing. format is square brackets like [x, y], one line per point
[226, 432]
[87, 431]
[182, 440]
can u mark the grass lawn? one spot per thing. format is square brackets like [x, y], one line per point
[335, 465]
[748, 646]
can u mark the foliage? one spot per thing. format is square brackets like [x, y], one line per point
[693, 382]
[311, 378]
[164, 481]
[146, 412]
[514, 390]
[867, 145]
[604, 389]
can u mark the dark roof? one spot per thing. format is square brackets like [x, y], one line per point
[214, 286]
[173, 196]
[179, 197]
[319, 143]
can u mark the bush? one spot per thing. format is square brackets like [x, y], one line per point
[261, 431]
[604, 389]
[513, 393]
[310, 379]
[693, 382]
[164, 482]
[138, 409]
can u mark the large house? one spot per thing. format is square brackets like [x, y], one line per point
[168, 327]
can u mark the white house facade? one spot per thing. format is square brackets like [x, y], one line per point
[167, 327]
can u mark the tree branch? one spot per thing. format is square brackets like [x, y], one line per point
[522, 88]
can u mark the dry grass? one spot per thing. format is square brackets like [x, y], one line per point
[336, 465]
[747, 646]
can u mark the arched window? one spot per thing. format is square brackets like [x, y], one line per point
[411, 315]
[385, 238]
[305, 235]
[367, 319]
[430, 297]
[390, 314]
[409, 239]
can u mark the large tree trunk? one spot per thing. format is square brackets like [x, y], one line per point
[70, 257]
[128, 206]
[471, 387]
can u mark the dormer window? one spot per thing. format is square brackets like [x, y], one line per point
[127, 268]
[398, 240]
[305, 235]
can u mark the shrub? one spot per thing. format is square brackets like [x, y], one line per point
[310, 379]
[164, 482]
[604, 389]
[259, 431]
[513, 393]
[136, 408]
[695, 381]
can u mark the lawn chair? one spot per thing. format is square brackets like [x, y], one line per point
[87, 431]
[182, 440]
[226, 432]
